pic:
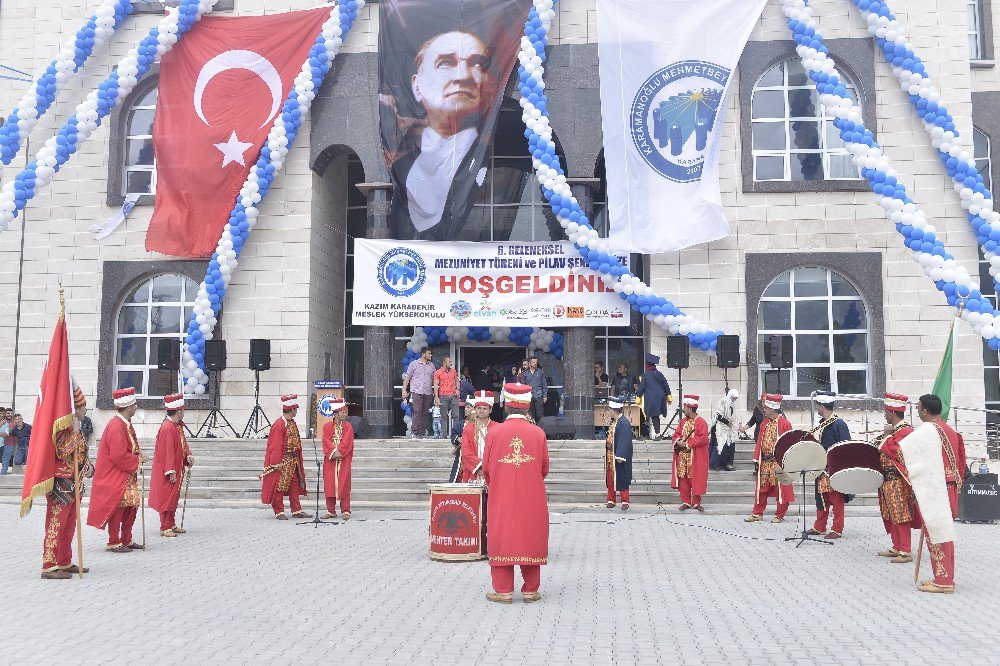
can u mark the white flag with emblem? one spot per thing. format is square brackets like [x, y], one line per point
[666, 68]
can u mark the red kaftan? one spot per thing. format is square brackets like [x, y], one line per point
[693, 432]
[170, 456]
[334, 485]
[117, 462]
[763, 455]
[278, 444]
[472, 450]
[515, 464]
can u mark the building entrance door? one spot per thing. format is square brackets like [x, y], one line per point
[489, 363]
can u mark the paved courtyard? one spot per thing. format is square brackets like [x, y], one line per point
[650, 587]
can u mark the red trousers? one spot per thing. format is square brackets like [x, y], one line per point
[761, 504]
[612, 498]
[835, 501]
[900, 535]
[503, 578]
[60, 526]
[168, 519]
[278, 502]
[345, 504]
[120, 526]
[684, 488]
[942, 562]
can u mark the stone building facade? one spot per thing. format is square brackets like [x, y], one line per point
[810, 251]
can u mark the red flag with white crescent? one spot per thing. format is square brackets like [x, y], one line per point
[220, 90]
[53, 413]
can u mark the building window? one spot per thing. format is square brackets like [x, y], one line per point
[792, 134]
[828, 320]
[354, 336]
[157, 309]
[975, 29]
[139, 174]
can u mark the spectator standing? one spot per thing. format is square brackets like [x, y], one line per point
[535, 378]
[419, 381]
[446, 387]
[623, 384]
[600, 377]
[6, 441]
[22, 434]
[512, 374]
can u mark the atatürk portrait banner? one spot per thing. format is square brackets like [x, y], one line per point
[443, 66]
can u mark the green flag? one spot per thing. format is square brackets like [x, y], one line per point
[942, 383]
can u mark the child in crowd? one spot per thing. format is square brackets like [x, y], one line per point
[436, 421]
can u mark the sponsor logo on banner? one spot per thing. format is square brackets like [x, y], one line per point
[558, 311]
[673, 114]
[575, 312]
[401, 272]
[461, 310]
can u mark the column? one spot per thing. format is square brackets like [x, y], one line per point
[578, 356]
[380, 369]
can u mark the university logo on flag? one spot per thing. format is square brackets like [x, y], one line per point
[666, 70]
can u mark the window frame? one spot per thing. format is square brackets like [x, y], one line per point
[129, 168]
[118, 144]
[856, 60]
[862, 269]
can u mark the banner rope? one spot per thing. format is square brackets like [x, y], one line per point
[58, 149]
[977, 199]
[59, 73]
[243, 217]
[919, 236]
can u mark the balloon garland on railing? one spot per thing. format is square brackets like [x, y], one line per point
[99, 103]
[920, 237]
[104, 22]
[640, 296]
[245, 213]
[977, 200]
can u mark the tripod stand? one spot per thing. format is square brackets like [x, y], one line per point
[802, 538]
[319, 489]
[254, 427]
[215, 414]
[680, 401]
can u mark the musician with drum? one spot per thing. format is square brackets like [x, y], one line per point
[831, 430]
[773, 426]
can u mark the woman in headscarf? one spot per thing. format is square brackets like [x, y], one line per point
[724, 433]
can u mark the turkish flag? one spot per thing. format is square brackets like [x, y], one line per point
[53, 412]
[220, 90]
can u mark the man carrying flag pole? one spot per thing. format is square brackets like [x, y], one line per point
[57, 458]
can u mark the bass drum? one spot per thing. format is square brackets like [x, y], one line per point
[854, 467]
[798, 451]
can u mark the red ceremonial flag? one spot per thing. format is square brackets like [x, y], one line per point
[53, 412]
[220, 90]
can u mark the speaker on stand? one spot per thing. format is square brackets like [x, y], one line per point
[727, 355]
[260, 359]
[215, 362]
[780, 356]
[678, 358]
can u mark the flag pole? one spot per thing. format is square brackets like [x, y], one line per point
[77, 491]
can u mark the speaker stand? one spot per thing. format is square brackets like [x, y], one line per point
[725, 375]
[680, 401]
[211, 421]
[254, 427]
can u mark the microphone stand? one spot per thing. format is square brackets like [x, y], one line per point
[802, 538]
[319, 489]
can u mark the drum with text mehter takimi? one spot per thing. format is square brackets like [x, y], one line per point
[458, 522]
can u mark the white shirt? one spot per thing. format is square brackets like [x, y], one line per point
[430, 177]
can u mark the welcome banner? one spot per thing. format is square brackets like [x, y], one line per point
[423, 283]
[666, 68]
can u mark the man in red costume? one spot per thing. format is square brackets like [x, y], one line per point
[474, 437]
[515, 464]
[338, 452]
[171, 459]
[895, 498]
[284, 472]
[60, 515]
[773, 427]
[115, 498]
[689, 472]
[953, 457]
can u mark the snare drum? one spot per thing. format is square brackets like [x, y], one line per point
[798, 451]
[854, 467]
[458, 522]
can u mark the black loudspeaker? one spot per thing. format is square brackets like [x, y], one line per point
[727, 351]
[168, 354]
[215, 355]
[979, 499]
[780, 352]
[557, 427]
[678, 352]
[260, 354]
[360, 425]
